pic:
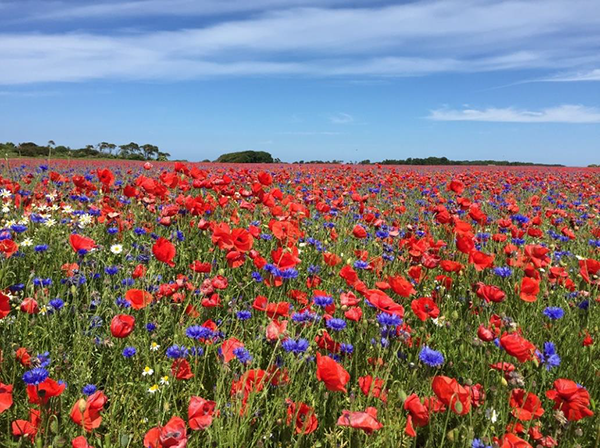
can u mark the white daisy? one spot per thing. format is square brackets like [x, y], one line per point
[116, 248]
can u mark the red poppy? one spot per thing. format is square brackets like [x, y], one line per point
[41, 393]
[485, 334]
[424, 308]
[6, 398]
[452, 394]
[333, 375]
[265, 178]
[418, 414]
[367, 421]
[276, 329]
[200, 267]
[571, 399]
[200, 413]
[401, 286]
[138, 298]
[517, 346]
[480, 260]
[359, 231]
[8, 247]
[180, 369]
[27, 428]
[227, 348]
[29, 306]
[526, 405]
[456, 186]
[490, 293]
[510, 440]
[305, 420]
[79, 242]
[4, 305]
[80, 442]
[122, 325]
[139, 271]
[383, 302]
[23, 357]
[86, 411]
[372, 387]
[588, 267]
[164, 251]
[529, 289]
[172, 435]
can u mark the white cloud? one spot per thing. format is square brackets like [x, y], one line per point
[409, 39]
[567, 113]
[341, 118]
[590, 75]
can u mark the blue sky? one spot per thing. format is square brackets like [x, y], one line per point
[307, 79]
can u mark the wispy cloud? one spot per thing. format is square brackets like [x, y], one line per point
[590, 75]
[341, 118]
[566, 113]
[300, 39]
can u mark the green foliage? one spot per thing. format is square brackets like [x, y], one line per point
[246, 157]
[446, 161]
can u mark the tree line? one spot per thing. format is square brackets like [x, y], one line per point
[105, 150]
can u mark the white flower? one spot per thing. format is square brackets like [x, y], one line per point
[55, 207]
[153, 389]
[164, 380]
[491, 415]
[6, 209]
[10, 223]
[27, 242]
[116, 248]
[50, 223]
[24, 221]
[43, 310]
[5, 193]
[67, 209]
[85, 219]
[147, 371]
[51, 196]
[154, 346]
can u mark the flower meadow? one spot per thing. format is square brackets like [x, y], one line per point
[180, 304]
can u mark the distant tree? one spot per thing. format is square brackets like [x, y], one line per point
[149, 151]
[246, 157]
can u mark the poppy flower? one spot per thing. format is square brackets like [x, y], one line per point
[588, 267]
[383, 302]
[122, 325]
[79, 243]
[452, 394]
[200, 413]
[333, 375]
[490, 293]
[29, 306]
[418, 414]
[511, 440]
[228, 347]
[366, 421]
[4, 305]
[526, 405]
[86, 412]
[424, 308]
[305, 420]
[41, 393]
[517, 346]
[401, 286]
[138, 298]
[372, 387]
[6, 398]
[80, 442]
[164, 251]
[172, 435]
[480, 260]
[359, 231]
[572, 399]
[485, 334]
[529, 289]
[27, 428]
[8, 247]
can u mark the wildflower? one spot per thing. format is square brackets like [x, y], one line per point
[431, 357]
[89, 389]
[164, 380]
[153, 389]
[336, 324]
[129, 352]
[323, 301]
[295, 346]
[154, 346]
[554, 312]
[147, 371]
[242, 355]
[116, 248]
[243, 315]
[35, 376]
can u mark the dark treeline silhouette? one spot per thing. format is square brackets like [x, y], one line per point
[103, 150]
[247, 157]
[446, 161]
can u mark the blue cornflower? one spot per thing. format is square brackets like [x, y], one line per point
[431, 357]
[89, 389]
[257, 277]
[41, 248]
[346, 349]
[243, 315]
[177, 351]
[289, 274]
[304, 317]
[44, 359]
[550, 358]
[336, 324]
[57, 303]
[111, 270]
[139, 231]
[554, 312]
[198, 332]
[35, 376]
[112, 230]
[243, 355]
[359, 264]
[123, 303]
[129, 352]
[299, 346]
[503, 271]
[323, 301]
[477, 443]
[390, 320]
[18, 228]
[312, 269]
[150, 327]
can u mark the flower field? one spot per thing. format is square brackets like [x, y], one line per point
[179, 304]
